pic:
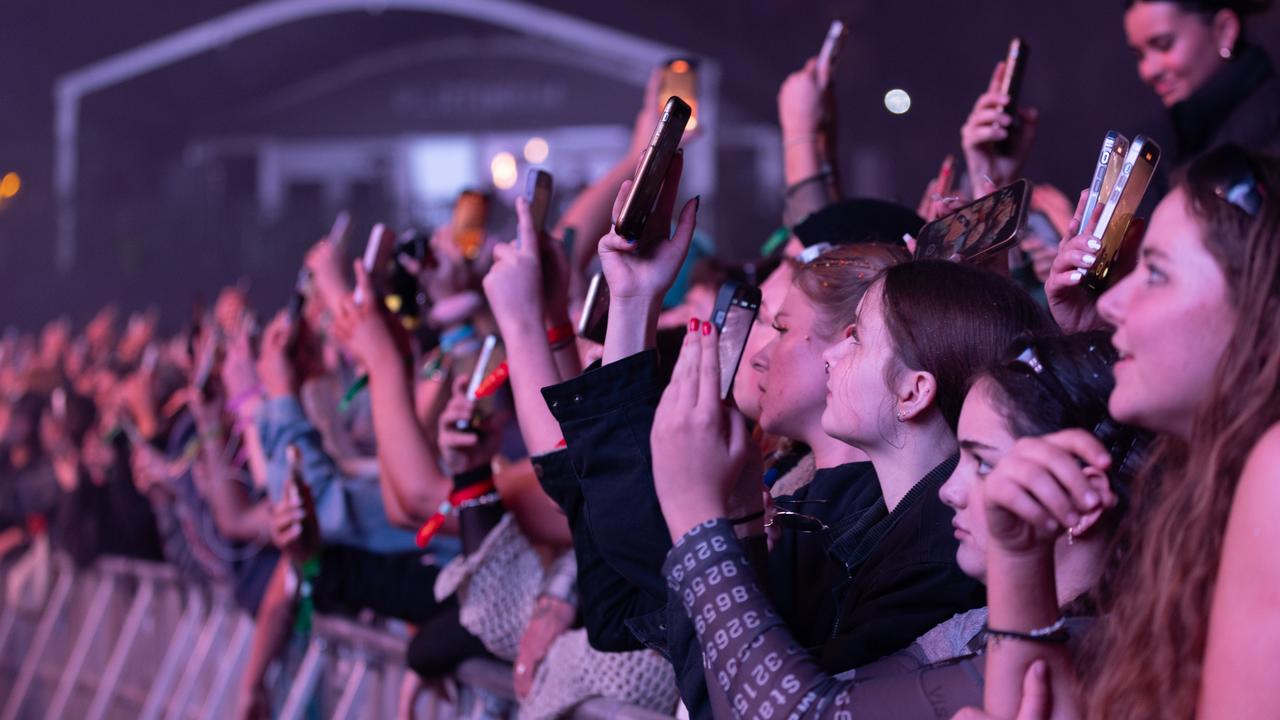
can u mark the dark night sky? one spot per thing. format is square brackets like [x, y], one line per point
[1082, 78]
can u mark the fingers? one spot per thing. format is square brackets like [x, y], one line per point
[1013, 494]
[1037, 697]
[687, 365]
[364, 287]
[997, 76]
[526, 234]
[709, 371]
[685, 226]
[623, 190]
[1083, 445]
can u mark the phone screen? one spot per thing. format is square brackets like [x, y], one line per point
[735, 313]
[470, 216]
[987, 225]
[680, 78]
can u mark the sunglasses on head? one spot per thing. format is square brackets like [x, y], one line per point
[1239, 183]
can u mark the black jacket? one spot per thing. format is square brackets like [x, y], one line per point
[1240, 104]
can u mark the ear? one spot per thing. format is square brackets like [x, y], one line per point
[1089, 520]
[916, 392]
[1226, 29]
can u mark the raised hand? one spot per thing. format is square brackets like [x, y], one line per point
[705, 446]
[462, 451]
[361, 328]
[632, 274]
[1071, 304]
[988, 125]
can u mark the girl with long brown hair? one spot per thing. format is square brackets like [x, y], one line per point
[1190, 625]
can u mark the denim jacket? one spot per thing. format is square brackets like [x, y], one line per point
[349, 510]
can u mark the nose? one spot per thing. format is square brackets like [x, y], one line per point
[1113, 302]
[760, 361]
[955, 491]
[1149, 67]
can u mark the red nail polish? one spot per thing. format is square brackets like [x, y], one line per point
[706, 328]
[693, 324]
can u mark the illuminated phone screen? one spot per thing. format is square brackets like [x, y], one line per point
[738, 320]
[977, 229]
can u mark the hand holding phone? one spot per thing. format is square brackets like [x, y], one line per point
[1015, 67]
[377, 260]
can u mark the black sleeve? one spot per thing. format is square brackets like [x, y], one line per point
[607, 599]
[606, 415]
[764, 673]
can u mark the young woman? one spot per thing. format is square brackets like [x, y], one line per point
[1217, 86]
[1195, 632]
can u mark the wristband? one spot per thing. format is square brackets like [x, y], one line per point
[793, 188]
[746, 518]
[451, 339]
[1054, 633]
[360, 384]
[456, 499]
[798, 139]
[493, 381]
[559, 334]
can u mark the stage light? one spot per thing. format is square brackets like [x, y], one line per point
[536, 150]
[503, 168]
[10, 184]
[897, 101]
[680, 66]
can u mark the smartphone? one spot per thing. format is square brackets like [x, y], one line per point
[594, 320]
[486, 363]
[1110, 159]
[1015, 67]
[734, 314]
[337, 236]
[640, 200]
[1135, 175]
[537, 191]
[830, 52]
[470, 221]
[378, 253]
[978, 230]
[680, 79]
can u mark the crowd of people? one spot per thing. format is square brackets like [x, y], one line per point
[935, 489]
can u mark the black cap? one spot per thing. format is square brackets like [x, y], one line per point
[860, 220]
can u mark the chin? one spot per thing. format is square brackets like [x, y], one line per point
[971, 562]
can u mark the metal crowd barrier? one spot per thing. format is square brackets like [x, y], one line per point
[132, 639]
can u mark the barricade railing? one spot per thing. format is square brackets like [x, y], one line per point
[132, 639]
